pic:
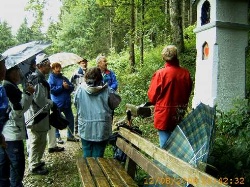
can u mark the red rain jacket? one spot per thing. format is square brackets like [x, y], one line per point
[169, 91]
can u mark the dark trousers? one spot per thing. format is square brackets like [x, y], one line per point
[76, 123]
[70, 117]
[12, 164]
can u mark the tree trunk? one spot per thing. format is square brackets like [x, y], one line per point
[192, 13]
[110, 30]
[142, 32]
[132, 37]
[176, 24]
[185, 13]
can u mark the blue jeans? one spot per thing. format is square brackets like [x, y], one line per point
[70, 117]
[163, 137]
[4, 169]
[93, 149]
[13, 164]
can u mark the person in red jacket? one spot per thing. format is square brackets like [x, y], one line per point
[169, 91]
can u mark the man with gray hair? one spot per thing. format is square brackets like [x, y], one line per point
[108, 75]
[169, 91]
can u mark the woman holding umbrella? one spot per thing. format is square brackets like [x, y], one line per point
[14, 131]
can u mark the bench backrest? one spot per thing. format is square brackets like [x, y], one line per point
[145, 154]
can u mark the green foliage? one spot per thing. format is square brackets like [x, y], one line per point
[24, 33]
[83, 29]
[188, 57]
[7, 40]
[231, 146]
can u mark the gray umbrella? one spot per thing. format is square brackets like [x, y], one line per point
[22, 55]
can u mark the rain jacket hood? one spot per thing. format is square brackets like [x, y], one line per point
[93, 89]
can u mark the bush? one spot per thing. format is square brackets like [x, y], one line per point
[231, 145]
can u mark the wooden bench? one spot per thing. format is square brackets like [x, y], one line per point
[143, 154]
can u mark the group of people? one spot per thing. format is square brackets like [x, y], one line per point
[25, 113]
[95, 98]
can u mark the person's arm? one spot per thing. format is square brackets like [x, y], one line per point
[154, 88]
[114, 81]
[55, 87]
[71, 86]
[41, 98]
[4, 102]
[20, 101]
[3, 115]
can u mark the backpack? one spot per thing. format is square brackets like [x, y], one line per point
[118, 153]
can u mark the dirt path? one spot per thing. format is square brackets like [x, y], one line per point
[62, 167]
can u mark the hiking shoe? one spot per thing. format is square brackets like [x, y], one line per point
[56, 149]
[73, 139]
[39, 171]
[60, 141]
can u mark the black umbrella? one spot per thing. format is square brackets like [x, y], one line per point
[23, 55]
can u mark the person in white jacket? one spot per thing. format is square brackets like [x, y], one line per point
[14, 130]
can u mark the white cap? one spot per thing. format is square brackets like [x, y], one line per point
[40, 58]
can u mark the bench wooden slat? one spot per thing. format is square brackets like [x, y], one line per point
[110, 173]
[157, 175]
[147, 165]
[85, 175]
[122, 173]
[181, 168]
[97, 173]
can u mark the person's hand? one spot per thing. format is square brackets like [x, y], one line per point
[2, 141]
[54, 107]
[65, 85]
[30, 89]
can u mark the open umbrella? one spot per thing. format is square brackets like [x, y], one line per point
[191, 139]
[65, 59]
[22, 55]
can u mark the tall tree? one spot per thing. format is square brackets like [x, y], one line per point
[36, 8]
[24, 33]
[84, 28]
[132, 36]
[142, 32]
[185, 13]
[176, 24]
[7, 40]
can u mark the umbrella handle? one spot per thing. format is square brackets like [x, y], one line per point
[129, 116]
[36, 114]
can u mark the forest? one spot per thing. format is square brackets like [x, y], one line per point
[132, 33]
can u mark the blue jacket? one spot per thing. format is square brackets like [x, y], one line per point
[58, 93]
[110, 78]
[3, 107]
[94, 107]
